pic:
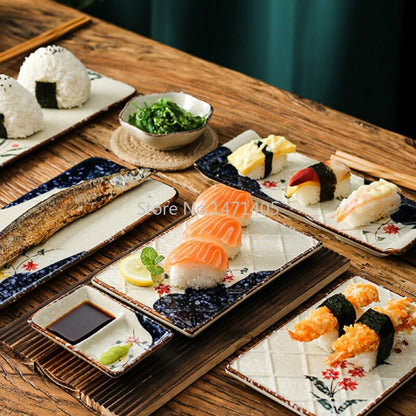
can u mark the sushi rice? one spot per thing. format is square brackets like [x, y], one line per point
[21, 115]
[56, 65]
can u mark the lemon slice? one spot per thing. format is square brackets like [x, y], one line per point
[134, 271]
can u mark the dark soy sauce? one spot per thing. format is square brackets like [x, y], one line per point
[80, 322]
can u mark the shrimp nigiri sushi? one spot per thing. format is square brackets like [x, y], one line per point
[222, 230]
[260, 158]
[196, 264]
[320, 182]
[221, 199]
[369, 341]
[326, 323]
[368, 203]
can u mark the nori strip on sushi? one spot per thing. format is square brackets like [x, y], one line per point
[327, 179]
[46, 94]
[3, 131]
[382, 325]
[268, 158]
[342, 309]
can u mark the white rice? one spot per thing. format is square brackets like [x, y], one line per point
[22, 113]
[371, 211]
[366, 360]
[196, 276]
[55, 64]
[325, 341]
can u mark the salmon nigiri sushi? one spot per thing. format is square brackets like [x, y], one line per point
[368, 203]
[196, 264]
[221, 199]
[222, 230]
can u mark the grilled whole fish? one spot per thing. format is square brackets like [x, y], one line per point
[47, 217]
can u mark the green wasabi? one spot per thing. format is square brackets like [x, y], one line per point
[114, 353]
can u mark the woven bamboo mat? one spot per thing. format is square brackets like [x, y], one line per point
[183, 360]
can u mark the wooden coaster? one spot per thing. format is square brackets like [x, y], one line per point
[137, 153]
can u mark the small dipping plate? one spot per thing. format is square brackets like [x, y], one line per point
[89, 323]
[167, 141]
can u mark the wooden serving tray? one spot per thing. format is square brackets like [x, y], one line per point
[183, 360]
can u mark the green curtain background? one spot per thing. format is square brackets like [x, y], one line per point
[347, 54]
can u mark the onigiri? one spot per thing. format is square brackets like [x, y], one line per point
[20, 113]
[56, 77]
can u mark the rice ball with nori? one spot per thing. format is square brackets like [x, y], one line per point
[20, 113]
[56, 77]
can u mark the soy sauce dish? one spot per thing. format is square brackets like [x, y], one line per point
[157, 128]
[100, 330]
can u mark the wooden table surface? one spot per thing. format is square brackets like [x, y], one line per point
[240, 103]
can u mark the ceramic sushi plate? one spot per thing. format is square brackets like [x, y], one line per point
[81, 237]
[294, 374]
[136, 334]
[393, 235]
[268, 249]
[105, 94]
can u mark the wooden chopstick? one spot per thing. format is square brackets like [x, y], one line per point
[376, 170]
[44, 38]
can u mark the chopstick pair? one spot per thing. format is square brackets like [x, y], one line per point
[376, 170]
[44, 38]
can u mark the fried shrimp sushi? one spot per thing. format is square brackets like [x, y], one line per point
[320, 182]
[221, 199]
[369, 341]
[326, 323]
[196, 264]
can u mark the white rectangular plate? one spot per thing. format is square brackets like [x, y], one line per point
[268, 250]
[81, 237]
[388, 236]
[294, 374]
[105, 93]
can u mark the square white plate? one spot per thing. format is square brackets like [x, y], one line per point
[294, 374]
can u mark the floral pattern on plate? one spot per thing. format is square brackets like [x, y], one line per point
[142, 335]
[295, 375]
[78, 239]
[268, 249]
[105, 93]
[392, 235]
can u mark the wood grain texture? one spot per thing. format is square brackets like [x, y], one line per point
[240, 103]
[182, 360]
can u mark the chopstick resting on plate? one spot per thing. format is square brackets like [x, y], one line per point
[376, 170]
[44, 38]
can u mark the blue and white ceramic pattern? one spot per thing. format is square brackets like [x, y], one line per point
[78, 239]
[393, 235]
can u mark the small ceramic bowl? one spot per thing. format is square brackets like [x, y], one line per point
[168, 141]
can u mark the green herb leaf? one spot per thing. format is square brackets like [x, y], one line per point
[155, 270]
[150, 259]
[148, 256]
